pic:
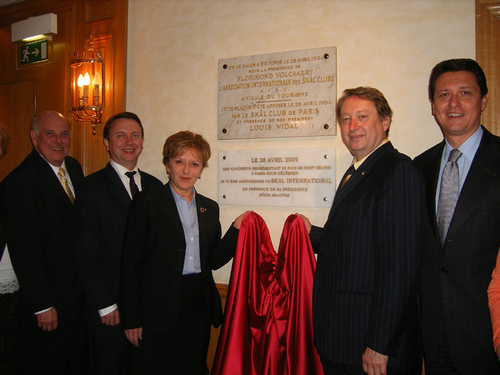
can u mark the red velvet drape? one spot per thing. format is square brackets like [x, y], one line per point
[267, 327]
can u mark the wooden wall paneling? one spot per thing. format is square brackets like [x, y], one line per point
[89, 149]
[18, 95]
[107, 21]
[77, 19]
[487, 55]
[48, 77]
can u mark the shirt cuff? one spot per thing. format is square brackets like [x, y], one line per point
[42, 311]
[107, 310]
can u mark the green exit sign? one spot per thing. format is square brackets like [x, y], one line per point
[34, 52]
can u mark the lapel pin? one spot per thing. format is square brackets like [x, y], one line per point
[203, 210]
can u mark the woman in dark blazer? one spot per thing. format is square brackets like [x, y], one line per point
[172, 243]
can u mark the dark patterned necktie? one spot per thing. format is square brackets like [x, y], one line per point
[133, 187]
[448, 195]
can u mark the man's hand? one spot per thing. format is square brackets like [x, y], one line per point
[374, 363]
[111, 319]
[134, 335]
[47, 320]
[306, 222]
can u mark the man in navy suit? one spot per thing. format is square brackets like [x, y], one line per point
[36, 208]
[101, 210]
[365, 313]
[457, 263]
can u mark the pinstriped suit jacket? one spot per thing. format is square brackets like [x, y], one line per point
[153, 259]
[455, 277]
[368, 261]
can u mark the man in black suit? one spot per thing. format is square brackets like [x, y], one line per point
[36, 208]
[364, 300]
[457, 263]
[101, 211]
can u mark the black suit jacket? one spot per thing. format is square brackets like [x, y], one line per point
[153, 259]
[455, 277]
[36, 213]
[2, 238]
[368, 259]
[100, 215]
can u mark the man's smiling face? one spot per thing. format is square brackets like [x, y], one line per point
[457, 105]
[360, 126]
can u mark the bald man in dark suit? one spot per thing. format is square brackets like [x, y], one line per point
[36, 208]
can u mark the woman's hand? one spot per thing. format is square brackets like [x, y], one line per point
[239, 219]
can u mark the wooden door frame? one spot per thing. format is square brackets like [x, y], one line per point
[487, 52]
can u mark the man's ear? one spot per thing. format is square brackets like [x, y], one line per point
[33, 138]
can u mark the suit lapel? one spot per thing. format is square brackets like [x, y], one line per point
[431, 175]
[359, 174]
[50, 179]
[167, 204]
[145, 181]
[116, 187]
[484, 168]
[203, 215]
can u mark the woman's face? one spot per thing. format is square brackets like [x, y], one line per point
[184, 170]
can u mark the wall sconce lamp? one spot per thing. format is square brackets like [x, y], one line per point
[87, 86]
[34, 28]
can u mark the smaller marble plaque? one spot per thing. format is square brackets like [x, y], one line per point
[285, 94]
[303, 177]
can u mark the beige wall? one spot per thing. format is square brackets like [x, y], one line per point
[174, 46]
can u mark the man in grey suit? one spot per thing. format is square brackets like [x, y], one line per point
[365, 313]
[36, 208]
[101, 210]
[460, 248]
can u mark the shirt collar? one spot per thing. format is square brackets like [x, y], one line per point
[120, 169]
[178, 198]
[468, 148]
[357, 163]
[55, 168]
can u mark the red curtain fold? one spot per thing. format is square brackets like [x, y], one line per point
[267, 327]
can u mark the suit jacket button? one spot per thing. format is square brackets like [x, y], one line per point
[444, 270]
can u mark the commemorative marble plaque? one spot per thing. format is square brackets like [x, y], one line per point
[303, 177]
[286, 94]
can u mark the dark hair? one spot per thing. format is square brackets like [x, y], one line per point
[182, 141]
[126, 115]
[457, 65]
[367, 93]
[4, 140]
